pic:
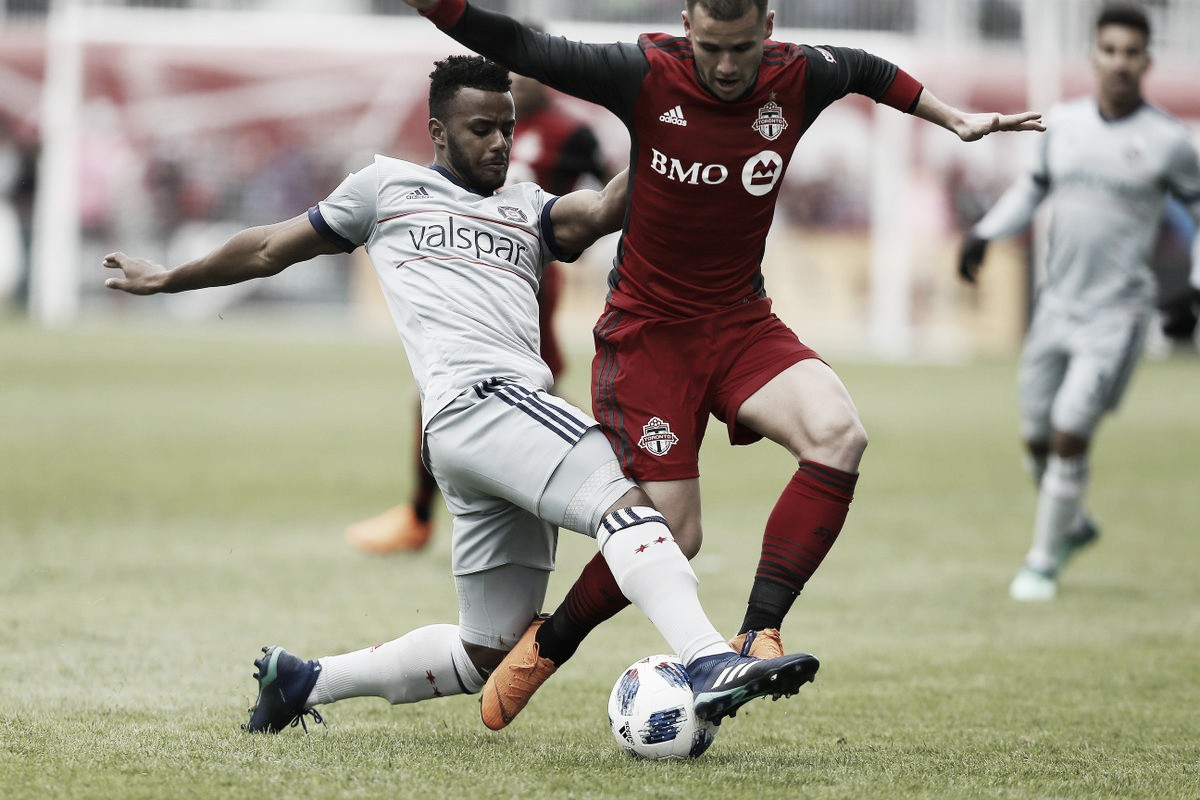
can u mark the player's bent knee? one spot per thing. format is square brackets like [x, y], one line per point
[839, 443]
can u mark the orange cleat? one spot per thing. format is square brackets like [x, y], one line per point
[758, 644]
[511, 684]
[396, 530]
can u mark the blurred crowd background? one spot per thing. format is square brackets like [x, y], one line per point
[160, 127]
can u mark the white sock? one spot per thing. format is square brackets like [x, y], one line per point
[1035, 466]
[1059, 503]
[656, 577]
[422, 664]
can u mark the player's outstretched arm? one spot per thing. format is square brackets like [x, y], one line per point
[971, 127]
[582, 217]
[253, 253]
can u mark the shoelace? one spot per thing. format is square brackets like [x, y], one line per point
[299, 720]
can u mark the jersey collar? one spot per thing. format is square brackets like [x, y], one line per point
[445, 173]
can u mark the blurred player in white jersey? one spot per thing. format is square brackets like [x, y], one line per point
[1105, 166]
[459, 259]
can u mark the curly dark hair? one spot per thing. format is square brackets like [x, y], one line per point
[463, 72]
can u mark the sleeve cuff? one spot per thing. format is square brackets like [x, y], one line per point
[446, 13]
[904, 92]
[548, 234]
[327, 233]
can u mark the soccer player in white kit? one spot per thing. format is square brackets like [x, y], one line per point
[459, 259]
[1105, 166]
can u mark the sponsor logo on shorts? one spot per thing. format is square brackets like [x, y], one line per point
[657, 438]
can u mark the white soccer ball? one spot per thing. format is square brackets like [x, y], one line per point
[651, 711]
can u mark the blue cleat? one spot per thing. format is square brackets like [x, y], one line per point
[725, 682]
[284, 684]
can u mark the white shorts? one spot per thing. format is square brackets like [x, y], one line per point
[496, 605]
[1073, 371]
[514, 463]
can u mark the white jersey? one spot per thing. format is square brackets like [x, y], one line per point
[460, 271]
[1106, 182]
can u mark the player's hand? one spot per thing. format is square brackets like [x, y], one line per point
[422, 5]
[976, 126]
[1180, 315]
[138, 276]
[970, 258]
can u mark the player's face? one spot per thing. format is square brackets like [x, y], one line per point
[1120, 58]
[728, 53]
[478, 137]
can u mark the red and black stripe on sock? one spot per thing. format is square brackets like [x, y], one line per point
[802, 528]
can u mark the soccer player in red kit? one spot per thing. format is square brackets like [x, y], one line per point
[714, 116]
[556, 150]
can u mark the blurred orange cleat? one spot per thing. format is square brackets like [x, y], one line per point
[396, 530]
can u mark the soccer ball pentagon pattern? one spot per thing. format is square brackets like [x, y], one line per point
[651, 711]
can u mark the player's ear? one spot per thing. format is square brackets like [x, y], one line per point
[687, 24]
[437, 131]
[770, 26]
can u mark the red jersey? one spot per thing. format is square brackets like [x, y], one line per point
[554, 149]
[704, 172]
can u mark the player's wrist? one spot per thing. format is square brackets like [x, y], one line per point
[445, 13]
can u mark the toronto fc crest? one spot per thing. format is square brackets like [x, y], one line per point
[770, 122]
[657, 438]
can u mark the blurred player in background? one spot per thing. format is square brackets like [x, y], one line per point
[1105, 166]
[459, 256]
[557, 151]
[714, 116]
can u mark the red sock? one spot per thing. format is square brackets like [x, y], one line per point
[593, 598]
[804, 524]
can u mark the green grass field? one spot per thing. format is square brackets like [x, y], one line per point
[171, 499]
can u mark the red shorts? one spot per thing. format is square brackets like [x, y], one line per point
[655, 381]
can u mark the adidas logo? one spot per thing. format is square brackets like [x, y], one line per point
[673, 116]
[418, 194]
[732, 674]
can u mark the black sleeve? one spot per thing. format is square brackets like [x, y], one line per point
[835, 72]
[606, 74]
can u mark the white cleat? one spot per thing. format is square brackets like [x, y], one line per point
[1033, 586]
